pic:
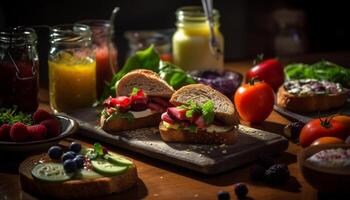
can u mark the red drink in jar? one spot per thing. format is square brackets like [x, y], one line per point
[19, 69]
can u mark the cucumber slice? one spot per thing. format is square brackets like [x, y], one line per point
[87, 174]
[105, 167]
[117, 159]
[51, 172]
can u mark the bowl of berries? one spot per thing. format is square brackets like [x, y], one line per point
[22, 132]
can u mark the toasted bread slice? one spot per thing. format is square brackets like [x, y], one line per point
[147, 80]
[200, 93]
[115, 125]
[200, 137]
[311, 103]
[74, 189]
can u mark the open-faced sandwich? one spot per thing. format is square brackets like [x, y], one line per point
[79, 173]
[310, 95]
[142, 96]
[201, 115]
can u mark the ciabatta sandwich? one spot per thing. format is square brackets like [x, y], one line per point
[142, 96]
[200, 115]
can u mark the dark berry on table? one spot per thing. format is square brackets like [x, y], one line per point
[68, 155]
[277, 174]
[41, 115]
[241, 190]
[265, 161]
[69, 166]
[223, 195]
[257, 172]
[292, 130]
[75, 146]
[55, 152]
[79, 161]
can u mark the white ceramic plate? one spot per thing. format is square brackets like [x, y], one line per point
[68, 127]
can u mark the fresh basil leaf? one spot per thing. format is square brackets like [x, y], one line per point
[121, 115]
[98, 149]
[189, 113]
[208, 112]
[174, 75]
[134, 91]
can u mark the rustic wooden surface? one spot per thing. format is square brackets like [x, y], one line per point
[159, 180]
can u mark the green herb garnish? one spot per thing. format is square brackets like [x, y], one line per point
[121, 115]
[11, 116]
[192, 128]
[208, 112]
[134, 91]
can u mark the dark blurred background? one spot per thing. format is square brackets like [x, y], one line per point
[249, 27]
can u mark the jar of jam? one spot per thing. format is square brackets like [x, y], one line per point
[105, 51]
[191, 50]
[19, 69]
[72, 68]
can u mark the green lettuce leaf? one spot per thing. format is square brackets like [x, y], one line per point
[174, 75]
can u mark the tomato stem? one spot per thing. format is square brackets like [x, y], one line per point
[258, 59]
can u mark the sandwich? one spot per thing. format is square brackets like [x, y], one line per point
[141, 97]
[200, 115]
[310, 95]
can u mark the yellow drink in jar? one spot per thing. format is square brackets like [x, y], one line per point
[72, 81]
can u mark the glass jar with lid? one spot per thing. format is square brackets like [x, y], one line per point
[105, 51]
[72, 68]
[191, 50]
[19, 69]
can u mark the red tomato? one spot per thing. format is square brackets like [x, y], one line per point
[344, 119]
[254, 102]
[270, 71]
[318, 128]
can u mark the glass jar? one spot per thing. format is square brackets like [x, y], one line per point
[72, 68]
[105, 51]
[19, 69]
[191, 49]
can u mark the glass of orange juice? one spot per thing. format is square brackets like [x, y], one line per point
[72, 68]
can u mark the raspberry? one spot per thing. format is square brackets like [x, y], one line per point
[18, 132]
[41, 115]
[277, 174]
[37, 132]
[5, 132]
[53, 127]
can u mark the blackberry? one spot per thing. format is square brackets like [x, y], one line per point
[277, 174]
[265, 161]
[241, 190]
[257, 172]
[292, 130]
[223, 195]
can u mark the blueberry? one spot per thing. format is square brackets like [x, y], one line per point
[75, 146]
[70, 166]
[277, 174]
[79, 161]
[223, 195]
[55, 152]
[68, 155]
[241, 190]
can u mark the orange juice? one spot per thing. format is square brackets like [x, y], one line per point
[72, 82]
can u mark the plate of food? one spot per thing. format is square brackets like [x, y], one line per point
[21, 132]
[195, 126]
[313, 91]
[76, 172]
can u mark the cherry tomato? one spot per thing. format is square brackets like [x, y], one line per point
[318, 128]
[254, 101]
[270, 71]
[327, 140]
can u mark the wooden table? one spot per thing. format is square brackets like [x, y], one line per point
[159, 180]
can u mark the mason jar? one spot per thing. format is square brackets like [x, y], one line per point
[191, 50]
[72, 68]
[105, 51]
[19, 69]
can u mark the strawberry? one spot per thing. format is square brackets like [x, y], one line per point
[41, 115]
[37, 132]
[5, 132]
[53, 127]
[18, 132]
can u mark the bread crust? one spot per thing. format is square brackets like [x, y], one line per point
[311, 103]
[201, 137]
[123, 87]
[114, 126]
[74, 189]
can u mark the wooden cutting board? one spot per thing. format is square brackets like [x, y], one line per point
[208, 159]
